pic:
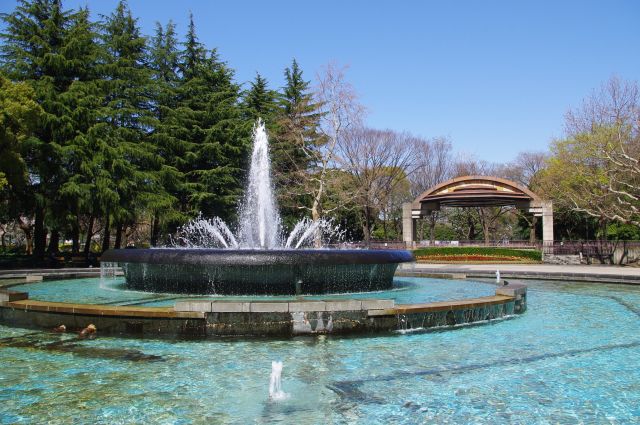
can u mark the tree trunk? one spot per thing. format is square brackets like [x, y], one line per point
[315, 216]
[366, 227]
[155, 229]
[75, 238]
[532, 229]
[27, 228]
[87, 243]
[29, 240]
[484, 221]
[487, 236]
[471, 235]
[39, 234]
[106, 237]
[432, 227]
[54, 242]
[118, 236]
[384, 227]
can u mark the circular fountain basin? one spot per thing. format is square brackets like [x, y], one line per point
[248, 271]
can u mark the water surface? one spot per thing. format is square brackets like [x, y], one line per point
[573, 357]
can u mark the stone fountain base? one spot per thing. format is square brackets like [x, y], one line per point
[255, 272]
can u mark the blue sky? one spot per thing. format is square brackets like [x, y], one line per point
[494, 76]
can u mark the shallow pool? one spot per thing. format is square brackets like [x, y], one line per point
[113, 292]
[573, 357]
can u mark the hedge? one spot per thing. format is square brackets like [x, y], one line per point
[479, 250]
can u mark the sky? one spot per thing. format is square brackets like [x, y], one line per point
[495, 77]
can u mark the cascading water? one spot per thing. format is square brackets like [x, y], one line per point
[259, 225]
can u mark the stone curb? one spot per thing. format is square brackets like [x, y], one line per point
[283, 306]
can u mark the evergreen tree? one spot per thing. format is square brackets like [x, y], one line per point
[297, 131]
[260, 102]
[19, 115]
[209, 123]
[165, 61]
[53, 51]
[125, 164]
[130, 133]
[83, 100]
[296, 92]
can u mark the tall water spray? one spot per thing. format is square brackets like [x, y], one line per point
[259, 224]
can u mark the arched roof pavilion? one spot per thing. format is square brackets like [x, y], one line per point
[477, 191]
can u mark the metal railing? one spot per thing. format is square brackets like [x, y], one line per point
[372, 245]
[590, 251]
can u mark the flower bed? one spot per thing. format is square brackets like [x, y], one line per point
[477, 255]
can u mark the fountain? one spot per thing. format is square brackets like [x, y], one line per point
[275, 383]
[208, 258]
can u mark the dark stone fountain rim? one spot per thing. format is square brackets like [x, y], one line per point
[254, 257]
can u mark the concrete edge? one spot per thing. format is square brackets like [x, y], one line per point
[263, 318]
[526, 275]
[222, 306]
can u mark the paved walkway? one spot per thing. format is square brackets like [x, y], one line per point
[592, 273]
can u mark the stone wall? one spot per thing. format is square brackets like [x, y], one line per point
[625, 255]
[285, 319]
[561, 259]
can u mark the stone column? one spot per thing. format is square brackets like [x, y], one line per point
[408, 225]
[547, 222]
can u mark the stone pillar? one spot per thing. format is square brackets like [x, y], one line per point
[408, 225]
[547, 222]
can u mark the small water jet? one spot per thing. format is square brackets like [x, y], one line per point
[275, 383]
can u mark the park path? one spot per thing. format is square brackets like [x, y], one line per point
[595, 273]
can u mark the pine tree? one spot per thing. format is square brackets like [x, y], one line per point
[53, 51]
[164, 59]
[126, 164]
[209, 123]
[260, 102]
[83, 98]
[297, 131]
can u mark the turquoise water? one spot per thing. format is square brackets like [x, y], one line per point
[113, 292]
[573, 357]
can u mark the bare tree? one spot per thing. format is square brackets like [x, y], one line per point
[487, 217]
[379, 162]
[614, 103]
[391, 208]
[467, 165]
[434, 166]
[596, 169]
[526, 169]
[339, 112]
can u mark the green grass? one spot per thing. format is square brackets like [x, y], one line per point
[529, 254]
